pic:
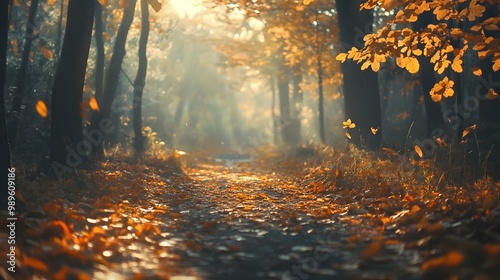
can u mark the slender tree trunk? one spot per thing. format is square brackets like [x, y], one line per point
[321, 110]
[433, 110]
[67, 147]
[140, 79]
[114, 69]
[21, 78]
[99, 40]
[273, 113]
[57, 52]
[284, 100]
[59, 30]
[179, 111]
[4, 143]
[11, 6]
[361, 92]
[297, 99]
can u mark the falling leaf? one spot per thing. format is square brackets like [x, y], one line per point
[349, 124]
[390, 151]
[41, 109]
[496, 64]
[93, 104]
[418, 150]
[348, 135]
[155, 5]
[468, 130]
[477, 71]
[374, 130]
[51, 2]
[402, 116]
[103, 2]
[14, 47]
[47, 53]
[491, 95]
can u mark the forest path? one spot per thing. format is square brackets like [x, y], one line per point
[254, 221]
[269, 218]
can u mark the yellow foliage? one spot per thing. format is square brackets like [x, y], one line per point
[349, 124]
[442, 88]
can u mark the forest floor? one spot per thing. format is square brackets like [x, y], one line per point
[319, 215]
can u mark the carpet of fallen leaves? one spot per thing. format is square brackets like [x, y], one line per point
[314, 214]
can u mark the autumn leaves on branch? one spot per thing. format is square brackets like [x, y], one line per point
[461, 20]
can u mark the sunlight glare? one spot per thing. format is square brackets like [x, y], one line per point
[186, 8]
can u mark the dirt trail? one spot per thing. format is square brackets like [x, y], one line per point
[246, 221]
[220, 221]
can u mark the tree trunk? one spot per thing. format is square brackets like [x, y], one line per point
[140, 79]
[113, 73]
[99, 40]
[433, 110]
[321, 110]
[361, 92]
[4, 143]
[273, 113]
[67, 147]
[296, 109]
[57, 54]
[21, 78]
[284, 100]
[489, 110]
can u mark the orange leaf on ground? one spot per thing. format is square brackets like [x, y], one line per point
[372, 250]
[451, 259]
[34, 263]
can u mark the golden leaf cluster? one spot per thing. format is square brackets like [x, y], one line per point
[434, 41]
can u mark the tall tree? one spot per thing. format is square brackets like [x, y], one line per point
[99, 42]
[21, 78]
[360, 87]
[427, 78]
[4, 143]
[490, 108]
[140, 79]
[66, 122]
[114, 69]
[284, 105]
